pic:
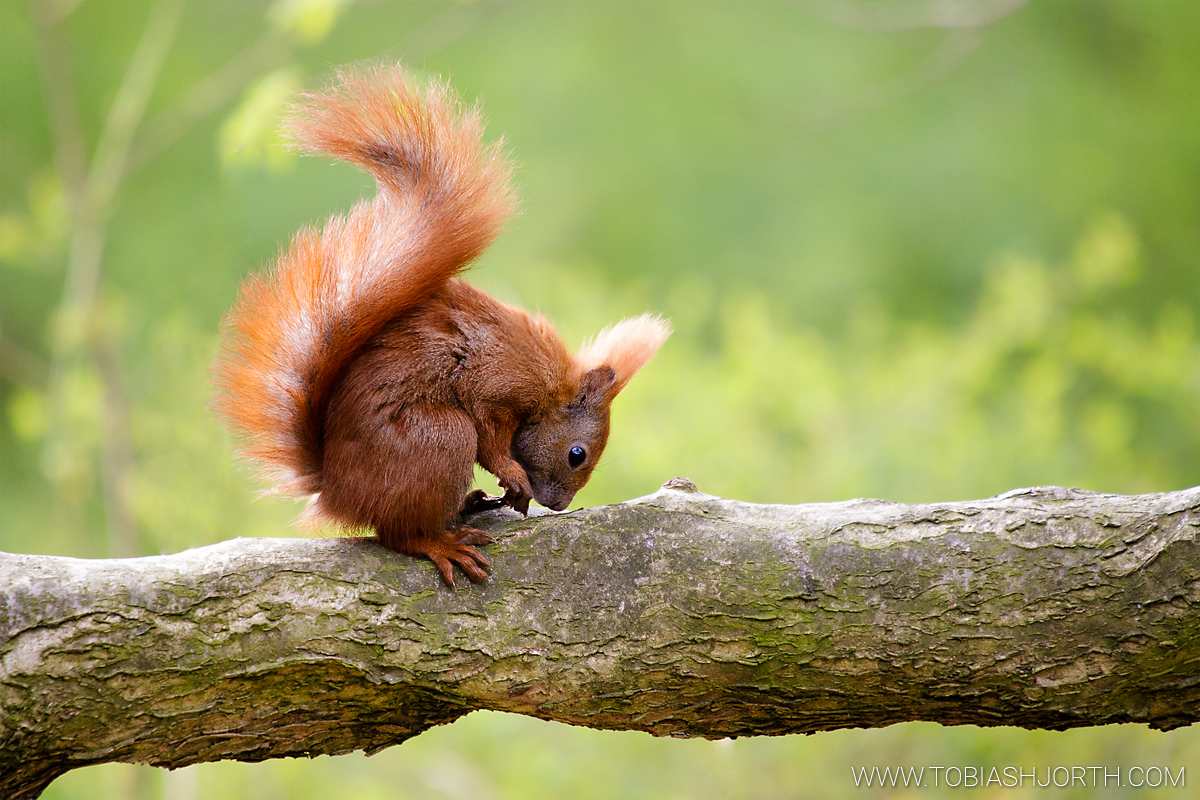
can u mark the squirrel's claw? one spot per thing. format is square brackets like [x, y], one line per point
[519, 501]
[455, 551]
[517, 491]
[478, 501]
[465, 534]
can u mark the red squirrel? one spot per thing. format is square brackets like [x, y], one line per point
[362, 373]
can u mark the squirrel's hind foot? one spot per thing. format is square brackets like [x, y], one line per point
[455, 549]
[465, 534]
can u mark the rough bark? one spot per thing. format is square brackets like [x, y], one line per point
[679, 614]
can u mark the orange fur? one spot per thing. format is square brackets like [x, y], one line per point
[359, 371]
[626, 347]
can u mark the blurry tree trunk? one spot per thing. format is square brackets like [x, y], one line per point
[679, 614]
[92, 190]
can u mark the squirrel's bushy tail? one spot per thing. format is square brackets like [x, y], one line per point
[443, 196]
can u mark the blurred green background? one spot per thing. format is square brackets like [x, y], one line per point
[922, 250]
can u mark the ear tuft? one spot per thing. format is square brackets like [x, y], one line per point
[625, 347]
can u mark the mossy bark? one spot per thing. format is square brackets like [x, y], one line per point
[680, 614]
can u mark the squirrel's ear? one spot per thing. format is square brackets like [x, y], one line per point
[625, 348]
[595, 387]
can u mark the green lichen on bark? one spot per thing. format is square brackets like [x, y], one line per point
[679, 614]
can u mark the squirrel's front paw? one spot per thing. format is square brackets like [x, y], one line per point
[478, 501]
[517, 491]
[518, 501]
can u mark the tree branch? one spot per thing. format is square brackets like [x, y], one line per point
[679, 614]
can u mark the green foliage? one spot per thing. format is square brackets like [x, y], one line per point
[1047, 380]
[309, 21]
[490, 756]
[250, 135]
[902, 260]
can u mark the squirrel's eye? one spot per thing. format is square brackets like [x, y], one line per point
[576, 456]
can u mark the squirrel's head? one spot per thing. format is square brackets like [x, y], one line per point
[560, 448]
